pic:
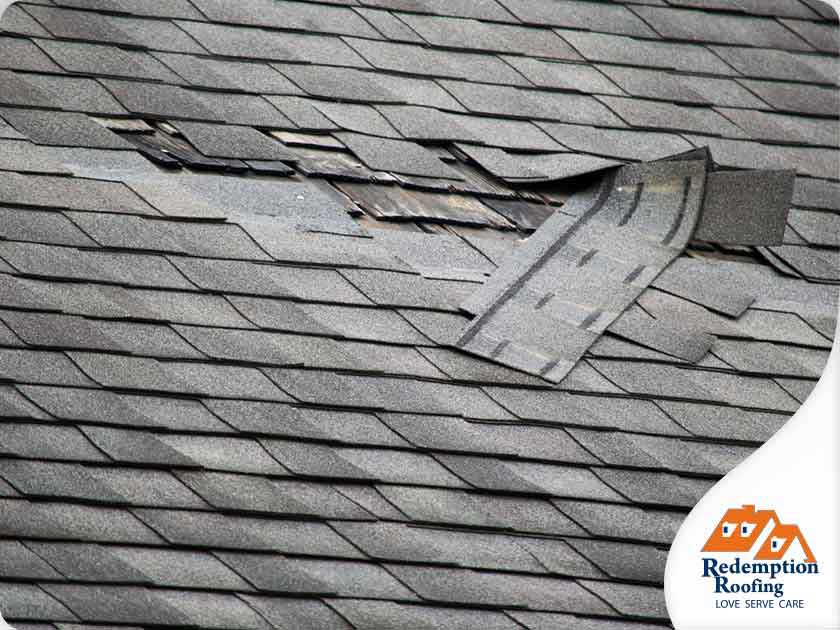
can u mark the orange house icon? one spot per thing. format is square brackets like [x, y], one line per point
[742, 530]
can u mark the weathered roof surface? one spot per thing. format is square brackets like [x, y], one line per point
[242, 243]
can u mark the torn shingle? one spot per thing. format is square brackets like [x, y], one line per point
[568, 248]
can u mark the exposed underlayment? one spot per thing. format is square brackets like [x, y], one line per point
[241, 243]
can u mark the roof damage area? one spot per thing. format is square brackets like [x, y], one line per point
[380, 314]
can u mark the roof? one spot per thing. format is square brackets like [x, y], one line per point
[397, 313]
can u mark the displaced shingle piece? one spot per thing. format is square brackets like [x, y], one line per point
[578, 254]
[718, 28]
[618, 143]
[232, 142]
[398, 156]
[747, 208]
[538, 168]
[263, 205]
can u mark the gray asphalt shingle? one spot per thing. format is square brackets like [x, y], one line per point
[240, 242]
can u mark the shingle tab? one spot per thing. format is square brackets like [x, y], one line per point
[457, 33]
[680, 24]
[473, 587]
[585, 16]
[232, 142]
[63, 129]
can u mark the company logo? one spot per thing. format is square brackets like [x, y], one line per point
[752, 552]
[742, 529]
